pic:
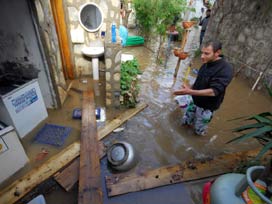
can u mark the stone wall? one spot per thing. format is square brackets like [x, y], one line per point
[112, 56]
[245, 29]
[49, 39]
[113, 75]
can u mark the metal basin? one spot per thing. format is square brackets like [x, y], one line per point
[121, 156]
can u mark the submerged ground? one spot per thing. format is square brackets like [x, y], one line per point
[156, 133]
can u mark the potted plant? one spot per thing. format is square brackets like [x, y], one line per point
[183, 55]
[187, 24]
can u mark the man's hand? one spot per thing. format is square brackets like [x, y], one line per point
[185, 89]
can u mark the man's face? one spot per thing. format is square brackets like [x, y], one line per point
[208, 55]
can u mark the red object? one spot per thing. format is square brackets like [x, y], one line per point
[183, 55]
[206, 193]
[187, 24]
[176, 52]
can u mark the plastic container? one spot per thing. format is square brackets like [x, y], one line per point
[113, 33]
[183, 101]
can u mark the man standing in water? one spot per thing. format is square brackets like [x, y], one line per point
[209, 88]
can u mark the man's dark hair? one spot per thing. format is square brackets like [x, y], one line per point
[208, 10]
[216, 45]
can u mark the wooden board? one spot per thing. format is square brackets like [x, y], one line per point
[21, 187]
[187, 171]
[66, 178]
[90, 184]
[69, 175]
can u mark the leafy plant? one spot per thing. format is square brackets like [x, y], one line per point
[129, 82]
[197, 53]
[155, 16]
[180, 31]
[194, 19]
[158, 14]
[261, 130]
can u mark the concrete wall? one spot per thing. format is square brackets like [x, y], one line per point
[245, 29]
[19, 43]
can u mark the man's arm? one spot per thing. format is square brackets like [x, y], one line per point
[186, 90]
[203, 92]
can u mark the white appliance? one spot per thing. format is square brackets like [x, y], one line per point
[12, 153]
[23, 107]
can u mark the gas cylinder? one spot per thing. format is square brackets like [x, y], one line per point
[228, 188]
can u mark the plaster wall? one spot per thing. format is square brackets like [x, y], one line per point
[245, 29]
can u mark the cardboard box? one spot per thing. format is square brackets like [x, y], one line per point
[12, 153]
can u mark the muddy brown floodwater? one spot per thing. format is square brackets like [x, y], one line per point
[157, 133]
[159, 139]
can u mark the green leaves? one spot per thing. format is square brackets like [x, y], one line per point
[158, 14]
[129, 82]
[260, 130]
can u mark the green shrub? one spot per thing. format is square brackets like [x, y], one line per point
[158, 15]
[129, 82]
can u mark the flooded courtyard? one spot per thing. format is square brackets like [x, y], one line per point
[158, 137]
[156, 132]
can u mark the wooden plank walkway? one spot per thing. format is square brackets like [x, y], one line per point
[90, 184]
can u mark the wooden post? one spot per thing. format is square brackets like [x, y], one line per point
[90, 188]
[184, 39]
[183, 43]
[177, 68]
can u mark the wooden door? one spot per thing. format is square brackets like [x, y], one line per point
[62, 32]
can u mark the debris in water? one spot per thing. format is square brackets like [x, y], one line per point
[118, 129]
[191, 165]
[213, 138]
[189, 149]
[84, 81]
[40, 156]
[195, 71]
